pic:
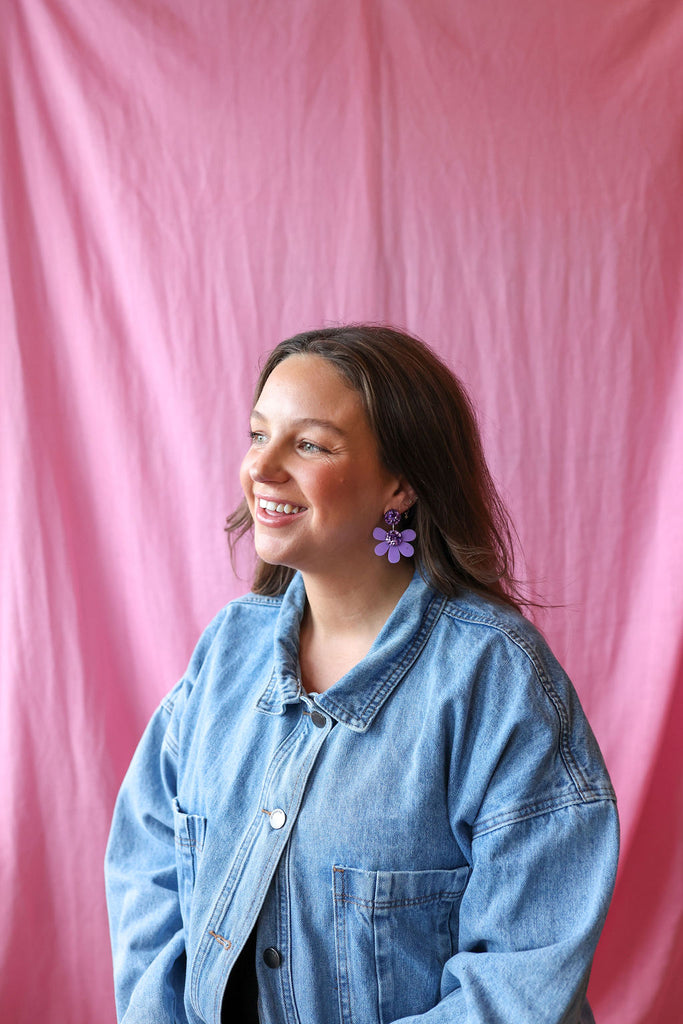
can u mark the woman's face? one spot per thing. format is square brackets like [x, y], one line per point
[312, 476]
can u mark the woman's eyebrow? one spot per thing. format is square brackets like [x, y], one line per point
[305, 421]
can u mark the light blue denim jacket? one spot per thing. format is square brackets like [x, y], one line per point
[432, 840]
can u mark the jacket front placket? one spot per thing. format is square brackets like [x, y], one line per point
[241, 896]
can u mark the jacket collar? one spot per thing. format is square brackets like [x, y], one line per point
[356, 698]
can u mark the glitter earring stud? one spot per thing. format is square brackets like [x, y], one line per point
[393, 542]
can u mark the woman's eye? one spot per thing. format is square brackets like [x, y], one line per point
[309, 446]
[256, 437]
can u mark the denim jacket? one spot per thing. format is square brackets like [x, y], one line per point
[433, 840]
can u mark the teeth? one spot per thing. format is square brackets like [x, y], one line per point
[274, 506]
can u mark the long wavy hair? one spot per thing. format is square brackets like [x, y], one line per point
[427, 433]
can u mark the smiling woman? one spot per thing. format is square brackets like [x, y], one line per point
[313, 449]
[374, 795]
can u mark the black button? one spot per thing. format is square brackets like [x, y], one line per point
[318, 719]
[271, 957]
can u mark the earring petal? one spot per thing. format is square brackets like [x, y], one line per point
[393, 542]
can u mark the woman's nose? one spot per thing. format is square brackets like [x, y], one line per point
[267, 466]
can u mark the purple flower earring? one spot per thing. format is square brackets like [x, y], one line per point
[394, 543]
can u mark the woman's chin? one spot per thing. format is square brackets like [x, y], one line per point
[273, 554]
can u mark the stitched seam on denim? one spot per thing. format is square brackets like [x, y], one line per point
[168, 706]
[530, 812]
[380, 976]
[342, 957]
[577, 777]
[259, 599]
[295, 790]
[276, 849]
[279, 756]
[264, 872]
[271, 701]
[407, 657]
[170, 742]
[415, 901]
[284, 936]
[274, 854]
[521, 811]
[228, 887]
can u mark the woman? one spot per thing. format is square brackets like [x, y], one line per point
[374, 796]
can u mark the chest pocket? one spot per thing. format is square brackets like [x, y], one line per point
[190, 831]
[394, 931]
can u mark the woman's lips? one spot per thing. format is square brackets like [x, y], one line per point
[271, 512]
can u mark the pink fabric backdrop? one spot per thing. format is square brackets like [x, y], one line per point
[183, 184]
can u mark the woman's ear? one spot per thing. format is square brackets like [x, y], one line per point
[404, 496]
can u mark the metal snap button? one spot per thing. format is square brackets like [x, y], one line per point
[277, 818]
[318, 719]
[272, 957]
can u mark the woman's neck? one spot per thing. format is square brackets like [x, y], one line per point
[343, 616]
[346, 604]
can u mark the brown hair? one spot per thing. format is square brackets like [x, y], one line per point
[427, 433]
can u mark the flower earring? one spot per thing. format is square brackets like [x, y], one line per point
[394, 543]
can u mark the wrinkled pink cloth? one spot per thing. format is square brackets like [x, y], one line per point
[185, 184]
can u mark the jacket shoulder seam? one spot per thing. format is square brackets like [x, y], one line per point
[585, 791]
[602, 794]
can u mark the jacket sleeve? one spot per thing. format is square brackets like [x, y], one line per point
[541, 836]
[146, 925]
[530, 920]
